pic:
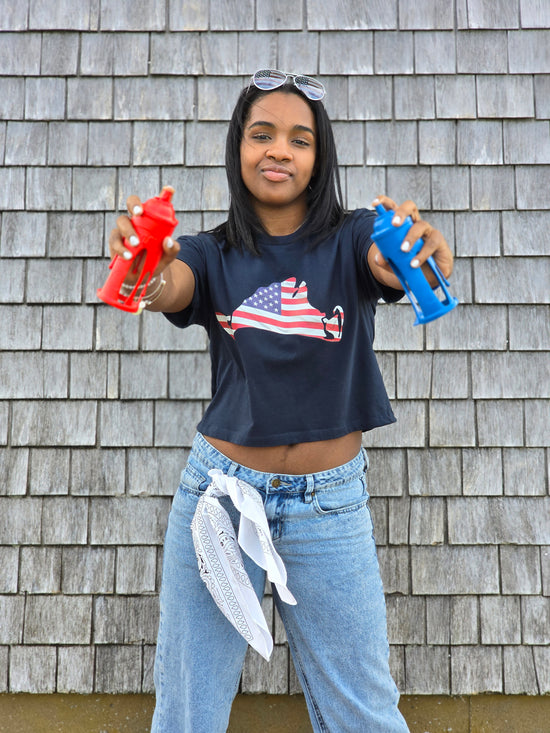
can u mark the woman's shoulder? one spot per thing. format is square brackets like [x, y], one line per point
[361, 215]
[207, 238]
[199, 250]
[203, 243]
[357, 223]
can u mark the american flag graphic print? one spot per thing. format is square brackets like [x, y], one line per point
[283, 307]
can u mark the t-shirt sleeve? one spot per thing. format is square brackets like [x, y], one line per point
[363, 225]
[193, 253]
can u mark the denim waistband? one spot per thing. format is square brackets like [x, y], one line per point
[204, 456]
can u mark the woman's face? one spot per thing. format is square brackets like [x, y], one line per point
[278, 154]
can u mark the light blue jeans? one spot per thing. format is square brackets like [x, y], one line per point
[322, 529]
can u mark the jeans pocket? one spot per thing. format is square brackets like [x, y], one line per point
[345, 497]
[193, 481]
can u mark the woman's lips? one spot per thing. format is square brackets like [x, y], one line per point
[276, 173]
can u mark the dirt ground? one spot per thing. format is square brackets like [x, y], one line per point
[269, 714]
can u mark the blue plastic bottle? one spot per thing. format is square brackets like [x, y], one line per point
[425, 301]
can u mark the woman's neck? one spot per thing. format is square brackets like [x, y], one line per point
[282, 221]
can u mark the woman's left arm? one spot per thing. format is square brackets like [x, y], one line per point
[434, 245]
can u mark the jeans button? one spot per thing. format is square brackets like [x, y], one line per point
[276, 483]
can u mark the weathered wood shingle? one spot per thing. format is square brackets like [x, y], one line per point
[444, 103]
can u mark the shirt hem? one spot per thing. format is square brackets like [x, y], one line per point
[308, 436]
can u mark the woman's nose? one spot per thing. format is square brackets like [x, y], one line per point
[279, 151]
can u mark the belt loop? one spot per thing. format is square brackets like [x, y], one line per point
[232, 469]
[310, 488]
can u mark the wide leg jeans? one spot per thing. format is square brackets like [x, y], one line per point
[322, 528]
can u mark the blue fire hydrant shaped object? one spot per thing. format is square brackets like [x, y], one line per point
[424, 299]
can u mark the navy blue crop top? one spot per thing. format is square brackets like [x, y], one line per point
[291, 335]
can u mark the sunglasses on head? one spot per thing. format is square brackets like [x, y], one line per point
[267, 79]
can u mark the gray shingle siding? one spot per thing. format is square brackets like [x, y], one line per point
[445, 104]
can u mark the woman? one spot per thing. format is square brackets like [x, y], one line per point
[287, 290]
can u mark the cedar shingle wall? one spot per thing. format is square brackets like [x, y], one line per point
[447, 103]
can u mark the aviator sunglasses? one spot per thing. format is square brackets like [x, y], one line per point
[267, 79]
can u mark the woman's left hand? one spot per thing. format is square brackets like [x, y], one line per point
[434, 245]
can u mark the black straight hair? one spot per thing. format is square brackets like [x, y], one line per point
[324, 193]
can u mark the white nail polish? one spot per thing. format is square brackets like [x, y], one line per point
[415, 263]
[134, 241]
[127, 255]
[405, 247]
[396, 220]
[170, 243]
[137, 210]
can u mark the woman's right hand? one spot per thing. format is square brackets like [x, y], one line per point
[179, 285]
[125, 231]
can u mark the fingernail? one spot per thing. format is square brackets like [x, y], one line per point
[127, 255]
[396, 220]
[137, 210]
[415, 263]
[134, 241]
[376, 201]
[405, 247]
[170, 242]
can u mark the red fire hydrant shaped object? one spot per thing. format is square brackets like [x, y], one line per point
[157, 222]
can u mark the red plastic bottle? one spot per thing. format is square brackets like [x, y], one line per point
[157, 222]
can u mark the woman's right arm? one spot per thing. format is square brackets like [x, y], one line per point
[178, 292]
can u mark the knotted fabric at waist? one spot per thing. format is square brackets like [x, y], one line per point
[220, 561]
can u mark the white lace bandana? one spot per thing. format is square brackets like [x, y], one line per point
[220, 560]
